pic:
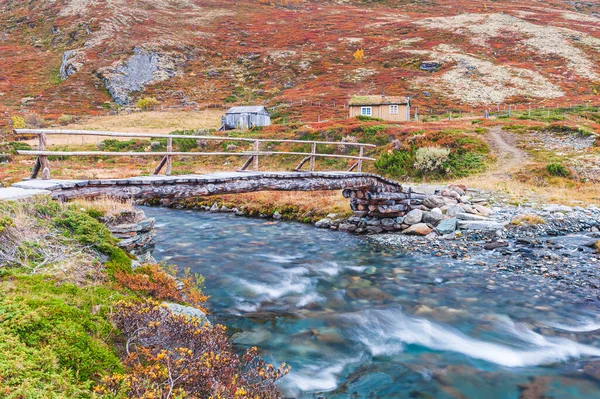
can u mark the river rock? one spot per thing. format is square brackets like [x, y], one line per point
[276, 215]
[189, 311]
[369, 294]
[483, 210]
[434, 217]
[460, 189]
[348, 227]
[214, 207]
[413, 217]
[447, 226]
[454, 210]
[434, 201]
[480, 225]
[419, 229]
[558, 208]
[468, 216]
[323, 223]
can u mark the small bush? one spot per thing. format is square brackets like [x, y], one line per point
[531, 220]
[176, 356]
[558, 170]
[34, 121]
[431, 160]
[66, 119]
[147, 103]
[597, 246]
[135, 145]
[368, 118]
[18, 122]
[395, 164]
[15, 146]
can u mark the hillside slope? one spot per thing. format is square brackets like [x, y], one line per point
[81, 57]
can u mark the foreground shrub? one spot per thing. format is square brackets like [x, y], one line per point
[558, 170]
[395, 163]
[531, 220]
[170, 355]
[156, 282]
[431, 159]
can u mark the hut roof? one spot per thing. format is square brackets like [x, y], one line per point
[254, 109]
[378, 100]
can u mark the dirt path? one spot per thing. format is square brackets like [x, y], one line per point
[504, 147]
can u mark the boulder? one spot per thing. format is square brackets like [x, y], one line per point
[483, 210]
[413, 217]
[558, 208]
[188, 311]
[480, 225]
[434, 217]
[419, 229]
[447, 226]
[459, 188]
[276, 215]
[468, 216]
[454, 210]
[323, 223]
[348, 227]
[434, 201]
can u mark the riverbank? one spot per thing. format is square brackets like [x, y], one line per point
[85, 314]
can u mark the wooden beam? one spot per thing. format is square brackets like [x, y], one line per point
[162, 163]
[175, 136]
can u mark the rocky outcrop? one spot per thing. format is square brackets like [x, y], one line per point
[136, 232]
[144, 67]
[72, 62]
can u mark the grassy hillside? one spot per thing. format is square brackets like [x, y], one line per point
[299, 52]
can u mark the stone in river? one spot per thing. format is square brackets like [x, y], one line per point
[369, 294]
[348, 227]
[468, 216]
[495, 244]
[413, 217]
[276, 215]
[447, 226]
[434, 201]
[419, 229]
[480, 225]
[323, 223]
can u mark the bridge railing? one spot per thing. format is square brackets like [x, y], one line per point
[42, 163]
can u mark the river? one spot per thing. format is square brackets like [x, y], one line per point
[354, 320]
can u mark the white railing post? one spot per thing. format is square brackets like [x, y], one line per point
[169, 157]
[312, 157]
[361, 151]
[256, 149]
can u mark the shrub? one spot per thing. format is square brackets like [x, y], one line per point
[66, 119]
[153, 281]
[558, 170]
[34, 121]
[531, 220]
[176, 356]
[147, 103]
[431, 160]
[597, 246]
[368, 118]
[136, 145]
[395, 163]
[462, 163]
[18, 122]
[15, 146]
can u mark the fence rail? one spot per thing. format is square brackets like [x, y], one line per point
[42, 163]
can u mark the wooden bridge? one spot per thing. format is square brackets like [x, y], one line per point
[369, 194]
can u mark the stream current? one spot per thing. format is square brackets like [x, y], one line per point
[356, 321]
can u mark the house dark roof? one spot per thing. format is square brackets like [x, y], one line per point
[247, 110]
[378, 100]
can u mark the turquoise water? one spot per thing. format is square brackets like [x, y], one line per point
[355, 321]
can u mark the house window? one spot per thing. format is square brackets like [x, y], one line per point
[393, 110]
[365, 111]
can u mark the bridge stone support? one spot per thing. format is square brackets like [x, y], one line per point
[378, 202]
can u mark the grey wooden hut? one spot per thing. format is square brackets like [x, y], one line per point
[246, 117]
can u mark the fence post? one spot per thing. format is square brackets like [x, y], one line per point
[44, 163]
[169, 157]
[360, 154]
[312, 158]
[256, 148]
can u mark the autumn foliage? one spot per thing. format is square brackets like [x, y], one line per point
[152, 280]
[170, 356]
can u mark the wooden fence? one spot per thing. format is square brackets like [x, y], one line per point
[42, 163]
